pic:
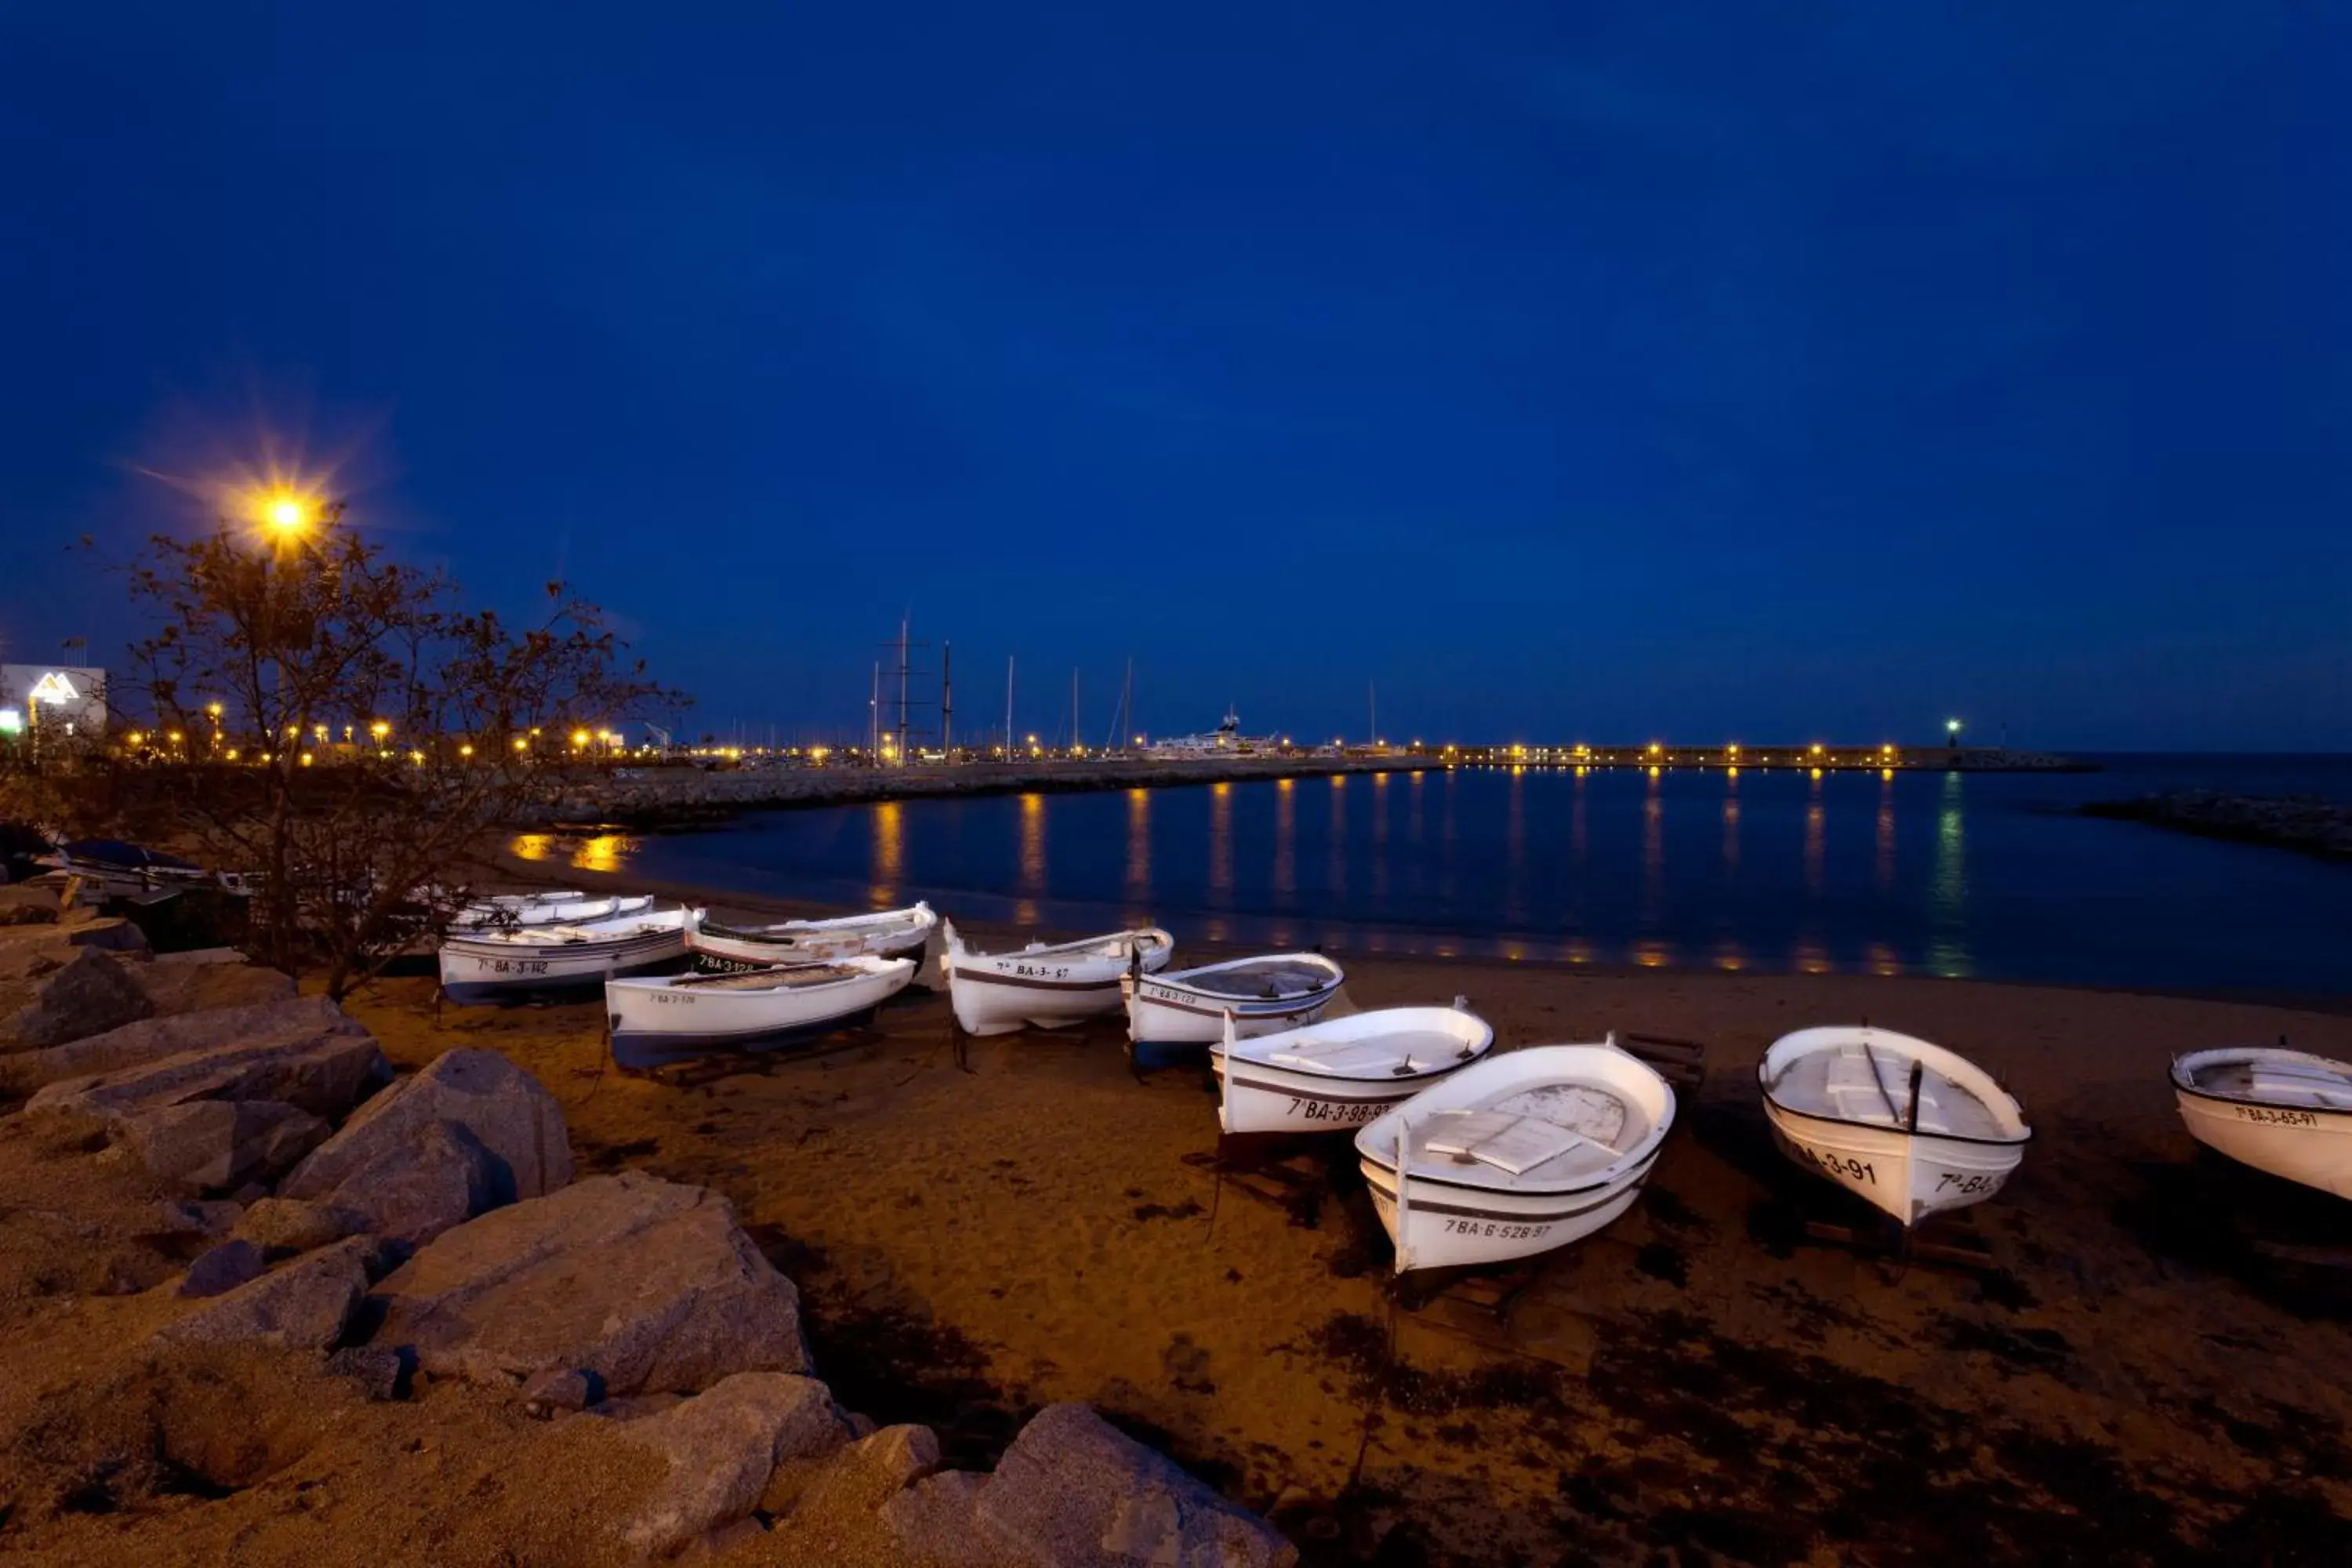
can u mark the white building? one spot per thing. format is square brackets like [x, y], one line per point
[68, 700]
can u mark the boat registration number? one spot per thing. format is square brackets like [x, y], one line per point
[1339, 1113]
[1041, 972]
[672, 999]
[1496, 1229]
[2269, 1118]
[1845, 1168]
[510, 966]
[1969, 1185]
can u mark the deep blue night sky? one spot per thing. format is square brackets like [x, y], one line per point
[1570, 371]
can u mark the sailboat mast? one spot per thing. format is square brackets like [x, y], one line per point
[1073, 708]
[902, 686]
[873, 718]
[1373, 711]
[947, 699]
[1008, 706]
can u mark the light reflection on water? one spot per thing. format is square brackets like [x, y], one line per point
[1286, 844]
[1771, 870]
[1221, 844]
[889, 849]
[600, 852]
[1032, 858]
[1138, 850]
[1337, 873]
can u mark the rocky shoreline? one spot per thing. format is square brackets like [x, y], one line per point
[311, 1208]
[678, 799]
[2307, 824]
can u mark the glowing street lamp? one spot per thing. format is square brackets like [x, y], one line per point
[1952, 731]
[380, 729]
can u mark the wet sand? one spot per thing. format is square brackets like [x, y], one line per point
[975, 1238]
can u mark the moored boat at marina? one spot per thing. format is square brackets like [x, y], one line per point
[493, 965]
[660, 1019]
[1262, 994]
[1046, 985]
[2286, 1112]
[1913, 1128]
[885, 933]
[1341, 1074]
[1522, 1153]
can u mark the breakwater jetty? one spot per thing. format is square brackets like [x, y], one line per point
[685, 797]
[2307, 824]
[685, 794]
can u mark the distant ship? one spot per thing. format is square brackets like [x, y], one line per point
[1225, 740]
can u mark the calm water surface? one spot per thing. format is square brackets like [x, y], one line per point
[1987, 874]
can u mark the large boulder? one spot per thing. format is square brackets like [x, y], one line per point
[437, 1177]
[220, 1144]
[174, 986]
[651, 1285]
[721, 1446]
[223, 1268]
[506, 1113]
[1074, 1491]
[321, 1069]
[302, 1305]
[82, 992]
[171, 1034]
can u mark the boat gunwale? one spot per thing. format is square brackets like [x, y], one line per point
[882, 968]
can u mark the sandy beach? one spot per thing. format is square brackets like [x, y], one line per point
[975, 1237]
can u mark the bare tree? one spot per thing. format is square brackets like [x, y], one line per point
[335, 726]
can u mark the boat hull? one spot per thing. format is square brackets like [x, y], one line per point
[1908, 1176]
[1259, 1098]
[1168, 1012]
[995, 994]
[725, 953]
[2311, 1146]
[1450, 1227]
[474, 972]
[655, 1024]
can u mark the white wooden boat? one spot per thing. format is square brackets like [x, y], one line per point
[1339, 1074]
[886, 933]
[1910, 1126]
[494, 965]
[2286, 1112]
[1189, 1007]
[499, 910]
[1521, 1153]
[1047, 985]
[658, 1019]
